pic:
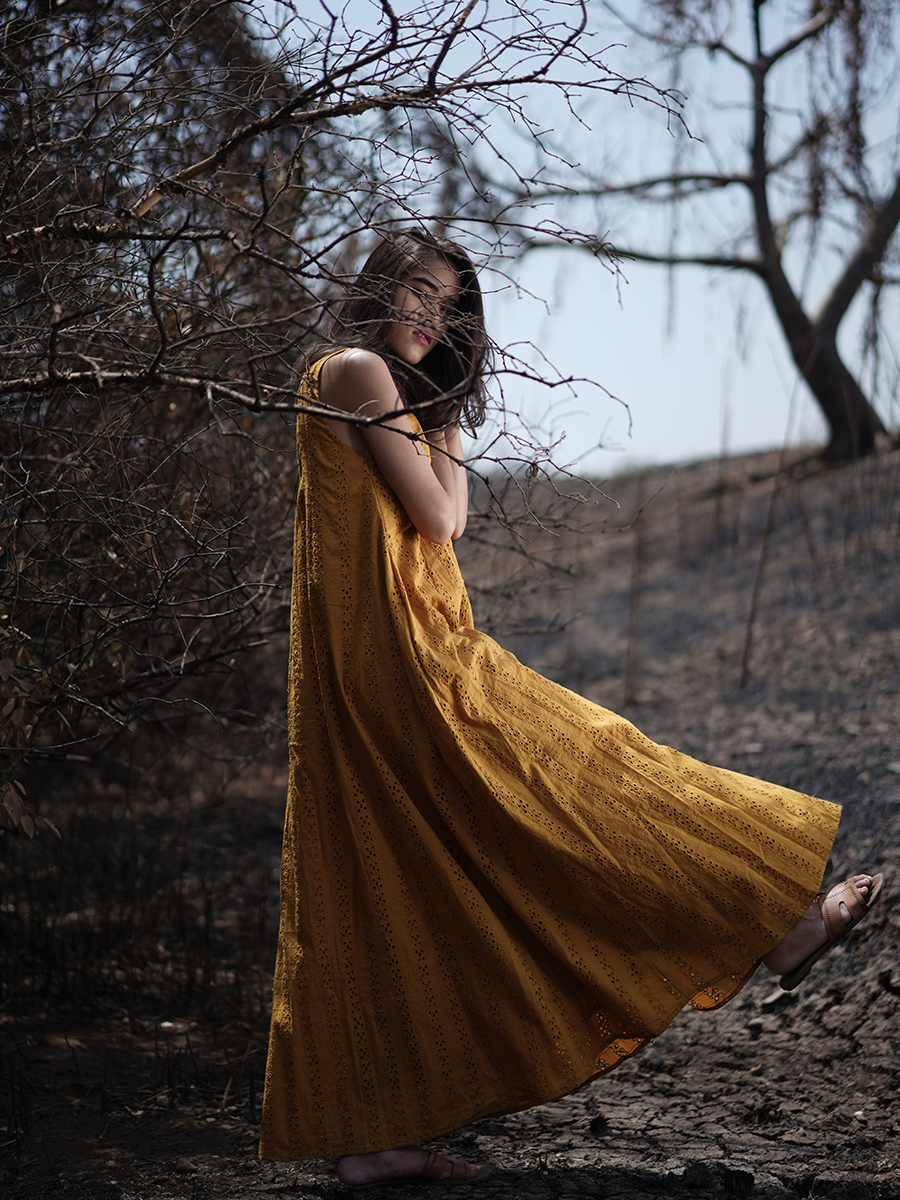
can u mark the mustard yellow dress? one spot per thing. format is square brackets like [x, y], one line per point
[492, 890]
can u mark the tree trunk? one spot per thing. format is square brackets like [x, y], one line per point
[851, 418]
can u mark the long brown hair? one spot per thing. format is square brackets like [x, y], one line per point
[447, 387]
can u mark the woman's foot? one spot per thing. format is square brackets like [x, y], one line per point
[407, 1163]
[842, 906]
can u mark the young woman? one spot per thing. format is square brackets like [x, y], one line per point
[492, 890]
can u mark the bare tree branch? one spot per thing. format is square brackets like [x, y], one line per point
[869, 252]
[625, 254]
[811, 29]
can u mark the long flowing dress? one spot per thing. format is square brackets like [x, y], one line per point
[492, 890]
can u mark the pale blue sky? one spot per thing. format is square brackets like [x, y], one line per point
[689, 395]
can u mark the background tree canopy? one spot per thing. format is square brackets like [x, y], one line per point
[185, 187]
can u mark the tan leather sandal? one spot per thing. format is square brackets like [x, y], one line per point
[829, 902]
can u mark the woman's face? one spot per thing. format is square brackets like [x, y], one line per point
[422, 304]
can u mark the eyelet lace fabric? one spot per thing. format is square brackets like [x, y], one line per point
[492, 890]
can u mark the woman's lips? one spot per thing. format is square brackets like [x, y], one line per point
[422, 337]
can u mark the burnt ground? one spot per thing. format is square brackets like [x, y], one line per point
[775, 1095]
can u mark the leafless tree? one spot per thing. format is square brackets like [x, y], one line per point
[792, 171]
[184, 187]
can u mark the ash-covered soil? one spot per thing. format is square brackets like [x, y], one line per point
[750, 617]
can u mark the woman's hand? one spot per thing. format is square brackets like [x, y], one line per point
[447, 459]
[432, 491]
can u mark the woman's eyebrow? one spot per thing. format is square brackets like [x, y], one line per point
[426, 280]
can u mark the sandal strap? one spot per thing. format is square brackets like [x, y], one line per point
[436, 1165]
[846, 893]
[462, 1170]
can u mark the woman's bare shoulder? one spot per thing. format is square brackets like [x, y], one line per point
[355, 378]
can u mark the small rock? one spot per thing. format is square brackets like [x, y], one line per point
[652, 1059]
[185, 1166]
[864, 778]
[755, 1027]
[894, 767]
[777, 1000]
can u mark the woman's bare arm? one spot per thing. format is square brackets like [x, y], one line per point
[448, 447]
[359, 382]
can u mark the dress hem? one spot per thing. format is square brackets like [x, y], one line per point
[509, 1107]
